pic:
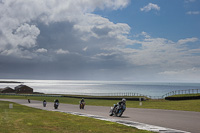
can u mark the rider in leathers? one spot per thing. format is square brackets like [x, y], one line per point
[121, 104]
[82, 102]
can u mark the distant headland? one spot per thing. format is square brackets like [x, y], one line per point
[10, 82]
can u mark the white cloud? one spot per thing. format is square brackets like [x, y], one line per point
[188, 1]
[85, 49]
[187, 40]
[145, 34]
[190, 74]
[159, 52]
[61, 51]
[90, 22]
[193, 51]
[193, 12]
[41, 50]
[26, 35]
[18, 20]
[150, 7]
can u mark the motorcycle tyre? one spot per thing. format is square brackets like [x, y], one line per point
[81, 106]
[56, 107]
[119, 114]
[111, 113]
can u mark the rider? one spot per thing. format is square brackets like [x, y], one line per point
[82, 100]
[56, 101]
[44, 103]
[121, 103]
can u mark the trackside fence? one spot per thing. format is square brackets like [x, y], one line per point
[113, 94]
[179, 92]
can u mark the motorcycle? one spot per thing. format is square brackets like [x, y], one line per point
[56, 105]
[82, 105]
[44, 104]
[117, 110]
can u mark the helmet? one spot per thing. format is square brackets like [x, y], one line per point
[124, 100]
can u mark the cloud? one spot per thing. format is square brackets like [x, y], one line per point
[162, 56]
[190, 74]
[26, 35]
[19, 21]
[61, 51]
[23, 37]
[41, 50]
[187, 40]
[193, 12]
[150, 7]
[159, 52]
[188, 1]
[85, 49]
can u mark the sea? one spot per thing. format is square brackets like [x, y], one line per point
[100, 87]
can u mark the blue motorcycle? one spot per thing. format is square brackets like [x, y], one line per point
[117, 110]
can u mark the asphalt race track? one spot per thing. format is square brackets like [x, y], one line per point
[164, 121]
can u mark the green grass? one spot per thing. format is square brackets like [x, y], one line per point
[22, 119]
[186, 105]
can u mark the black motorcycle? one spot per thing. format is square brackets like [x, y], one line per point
[56, 105]
[117, 110]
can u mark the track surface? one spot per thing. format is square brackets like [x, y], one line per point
[181, 120]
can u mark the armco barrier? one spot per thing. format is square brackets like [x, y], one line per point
[110, 98]
[179, 92]
[182, 98]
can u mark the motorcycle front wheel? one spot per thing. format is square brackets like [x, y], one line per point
[111, 112]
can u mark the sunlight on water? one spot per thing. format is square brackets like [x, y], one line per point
[82, 86]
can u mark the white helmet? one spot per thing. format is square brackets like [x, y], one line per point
[124, 100]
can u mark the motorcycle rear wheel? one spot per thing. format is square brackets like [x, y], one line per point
[119, 114]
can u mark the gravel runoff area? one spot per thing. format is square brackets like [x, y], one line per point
[157, 120]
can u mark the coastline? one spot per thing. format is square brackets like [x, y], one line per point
[10, 82]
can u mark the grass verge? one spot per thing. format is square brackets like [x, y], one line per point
[186, 105]
[22, 119]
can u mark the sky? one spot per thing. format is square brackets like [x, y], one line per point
[123, 40]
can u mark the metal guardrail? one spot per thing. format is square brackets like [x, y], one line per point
[113, 94]
[179, 92]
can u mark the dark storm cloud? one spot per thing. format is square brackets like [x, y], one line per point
[57, 35]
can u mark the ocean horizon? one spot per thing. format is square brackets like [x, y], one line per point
[94, 87]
